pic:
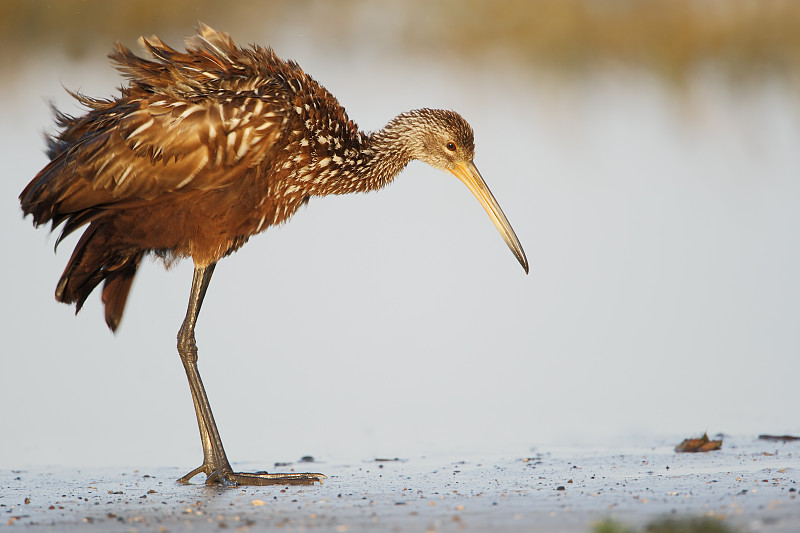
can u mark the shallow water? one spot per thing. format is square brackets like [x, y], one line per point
[663, 296]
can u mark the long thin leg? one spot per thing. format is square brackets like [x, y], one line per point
[215, 462]
[187, 349]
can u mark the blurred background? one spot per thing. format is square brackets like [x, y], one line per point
[646, 153]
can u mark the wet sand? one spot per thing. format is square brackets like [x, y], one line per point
[750, 484]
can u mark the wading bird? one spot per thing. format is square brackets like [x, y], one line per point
[200, 151]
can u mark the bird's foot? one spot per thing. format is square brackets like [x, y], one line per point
[264, 478]
[229, 478]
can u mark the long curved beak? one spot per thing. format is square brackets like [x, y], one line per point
[468, 173]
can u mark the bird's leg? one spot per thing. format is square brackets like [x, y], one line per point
[187, 349]
[215, 462]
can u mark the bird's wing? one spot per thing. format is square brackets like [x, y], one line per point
[154, 147]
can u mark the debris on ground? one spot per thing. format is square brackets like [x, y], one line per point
[669, 525]
[785, 438]
[703, 444]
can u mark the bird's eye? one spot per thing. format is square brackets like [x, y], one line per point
[451, 146]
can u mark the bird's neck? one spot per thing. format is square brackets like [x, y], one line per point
[366, 162]
[385, 155]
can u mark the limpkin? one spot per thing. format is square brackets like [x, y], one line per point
[203, 149]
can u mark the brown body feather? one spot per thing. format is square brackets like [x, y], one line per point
[207, 131]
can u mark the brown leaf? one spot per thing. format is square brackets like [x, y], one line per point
[703, 444]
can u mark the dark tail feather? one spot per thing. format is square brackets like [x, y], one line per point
[116, 288]
[93, 261]
[84, 270]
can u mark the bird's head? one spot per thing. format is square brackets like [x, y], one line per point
[438, 137]
[444, 140]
